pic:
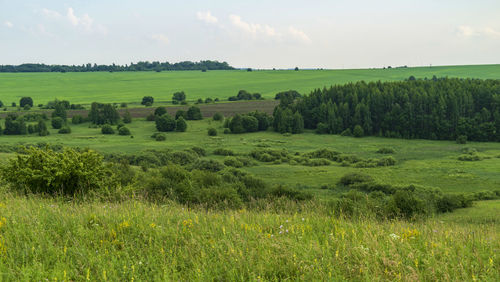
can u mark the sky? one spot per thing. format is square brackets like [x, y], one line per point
[259, 33]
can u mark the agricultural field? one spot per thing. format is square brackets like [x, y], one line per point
[130, 87]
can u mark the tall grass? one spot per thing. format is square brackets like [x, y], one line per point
[55, 239]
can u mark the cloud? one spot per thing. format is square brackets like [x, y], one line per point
[468, 31]
[251, 28]
[51, 14]
[298, 34]
[9, 24]
[206, 17]
[85, 21]
[160, 38]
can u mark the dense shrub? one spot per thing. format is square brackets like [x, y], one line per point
[127, 117]
[270, 155]
[238, 162]
[346, 132]
[358, 131]
[181, 113]
[212, 131]
[462, 139]
[218, 116]
[160, 111]
[69, 172]
[224, 152]
[57, 122]
[178, 97]
[165, 123]
[355, 177]
[107, 129]
[180, 125]
[194, 113]
[160, 136]
[322, 128]
[123, 131]
[77, 119]
[103, 114]
[26, 101]
[199, 151]
[147, 101]
[291, 193]
[64, 130]
[386, 150]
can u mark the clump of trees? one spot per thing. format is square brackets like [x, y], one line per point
[103, 114]
[178, 97]
[194, 113]
[147, 101]
[437, 108]
[245, 95]
[251, 122]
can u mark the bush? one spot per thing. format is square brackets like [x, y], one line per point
[160, 137]
[127, 117]
[355, 177]
[160, 111]
[322, 128]
[26, 101]
[194, 113]
[358, 131]
[181, 125]
[227, 131]
[462, 139]
[250, 123]
[294, 194]
[147, 101]
[181, 113]
[69, 172]
[57, 122]
[64, 130]
[77, 119]
[346, 132]
[151, 117]
[224, 152]
[123, 105]
[386, 150]
[232, 161]
[178, 97]
[123, 131]
[199, 151]
[212, 131]
[107, 129]
[218, 116]
[165, 123]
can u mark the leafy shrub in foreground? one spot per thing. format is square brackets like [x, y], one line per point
[212, 131]
[107, 129]
[123, 131]
[69, 172]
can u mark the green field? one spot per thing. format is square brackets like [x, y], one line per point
[424, 162]
[130, 87]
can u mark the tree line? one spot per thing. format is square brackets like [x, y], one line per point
[437, 109]
[140, 66]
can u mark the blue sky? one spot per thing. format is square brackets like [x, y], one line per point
[259, 34]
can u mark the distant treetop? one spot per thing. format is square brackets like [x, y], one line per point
[140, 66]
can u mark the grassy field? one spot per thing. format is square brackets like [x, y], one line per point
[132, 86]
[56, 240]
[424, 162]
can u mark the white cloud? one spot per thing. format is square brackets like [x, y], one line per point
[251, 28]
[85, 21]
[9, 24]
[206, 17]
[298, 34]
[468, 31]
[51, 14]
[160, 38]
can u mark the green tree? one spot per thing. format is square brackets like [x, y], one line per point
[358, 131]
[194, 113]
[57, 122]
[165, 123]
[127, 117]
[59, 111]
[147, 101]
[160, 111]
[181, 124]
[26, 101]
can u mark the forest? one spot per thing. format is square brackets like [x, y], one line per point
[436, 109]
[140, 66]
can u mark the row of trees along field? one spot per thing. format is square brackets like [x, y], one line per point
[140, 66]
[441, 109]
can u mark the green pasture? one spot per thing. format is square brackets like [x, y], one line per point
[423, 162]
[130, 87]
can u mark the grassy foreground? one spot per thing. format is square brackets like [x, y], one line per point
[132, 86]
[58, 240]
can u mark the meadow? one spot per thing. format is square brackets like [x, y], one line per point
[124, 235]
[130, 87]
